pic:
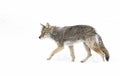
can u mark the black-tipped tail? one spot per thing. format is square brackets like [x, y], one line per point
[107, 58]
[102, 47]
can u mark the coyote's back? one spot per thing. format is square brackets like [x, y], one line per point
[72, 34]
[77, 32]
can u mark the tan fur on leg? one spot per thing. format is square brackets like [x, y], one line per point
[58, 49]
[100, 53]
[88, 53]
[72, 52]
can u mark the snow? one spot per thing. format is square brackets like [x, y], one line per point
[22, 53]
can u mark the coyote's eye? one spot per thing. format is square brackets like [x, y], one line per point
[44, 33]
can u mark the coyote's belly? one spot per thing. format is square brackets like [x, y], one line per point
[70, 43]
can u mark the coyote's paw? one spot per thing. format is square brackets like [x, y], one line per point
[48, 58]
[82, 61]
[73, 60]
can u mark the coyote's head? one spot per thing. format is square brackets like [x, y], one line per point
[46, 30]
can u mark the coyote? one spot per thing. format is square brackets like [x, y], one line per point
[71, 34]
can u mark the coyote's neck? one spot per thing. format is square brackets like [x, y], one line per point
[57, 33]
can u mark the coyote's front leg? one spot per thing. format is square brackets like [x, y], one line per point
[58, 49]
[72, 53]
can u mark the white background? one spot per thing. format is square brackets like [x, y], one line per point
[23, 54]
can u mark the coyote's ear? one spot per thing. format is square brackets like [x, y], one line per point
[42, 25]
[47, 25]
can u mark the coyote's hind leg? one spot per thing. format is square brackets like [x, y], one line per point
[88, 53]
[97, 50]
[93, 43]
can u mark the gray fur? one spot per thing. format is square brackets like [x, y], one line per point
[72, 33]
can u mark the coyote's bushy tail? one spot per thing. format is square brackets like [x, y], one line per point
[103, 49]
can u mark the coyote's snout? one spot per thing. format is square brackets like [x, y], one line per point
[71, 34]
